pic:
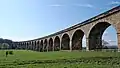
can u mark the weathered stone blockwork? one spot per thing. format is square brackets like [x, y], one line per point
[71, 38]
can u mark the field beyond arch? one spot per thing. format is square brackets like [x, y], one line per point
[60, 59]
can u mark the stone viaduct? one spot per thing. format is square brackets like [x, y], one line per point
[71, 38]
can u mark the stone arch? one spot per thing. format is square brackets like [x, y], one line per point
[45, 46]
[32, 45]
[77, 39]
[27, 45]
[22, 45]
[95, 35]
[50, 47]
[57, 43]
[37, 45]
[41, 45]
[65, 42]
[15, 46]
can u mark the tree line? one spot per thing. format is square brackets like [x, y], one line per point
[6, 44]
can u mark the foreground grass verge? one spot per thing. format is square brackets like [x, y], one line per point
[31, 59]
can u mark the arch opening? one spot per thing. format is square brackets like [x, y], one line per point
[37, 46]
[96, 34]
[41, 46]
[50, 47]
[77, 40]
[23, 46]
[57, 43]
[29, 46]
[45, 45]
[32, 45]
[109, 38]
[65, 44]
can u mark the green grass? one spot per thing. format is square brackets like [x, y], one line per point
[61, 59]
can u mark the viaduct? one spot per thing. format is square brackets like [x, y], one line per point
[71, 38]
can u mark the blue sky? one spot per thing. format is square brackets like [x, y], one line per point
[29, 19]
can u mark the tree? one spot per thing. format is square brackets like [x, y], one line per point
[5, 45]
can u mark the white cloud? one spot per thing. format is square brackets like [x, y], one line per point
[85, 5]
[56, 5]
[114, 3]
[79, 5]
[112, 41]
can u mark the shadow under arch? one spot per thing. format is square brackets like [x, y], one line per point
[57, 43]
[41, 46]
[77, 39]
[95, 35]
[32, 45]
[27, 43]
[50, 47]
[65, 42]
[45, 45]
[37, 45]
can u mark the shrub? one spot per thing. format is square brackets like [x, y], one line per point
[6, 53]
[11, 52]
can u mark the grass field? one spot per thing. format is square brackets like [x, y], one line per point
[61, 59]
